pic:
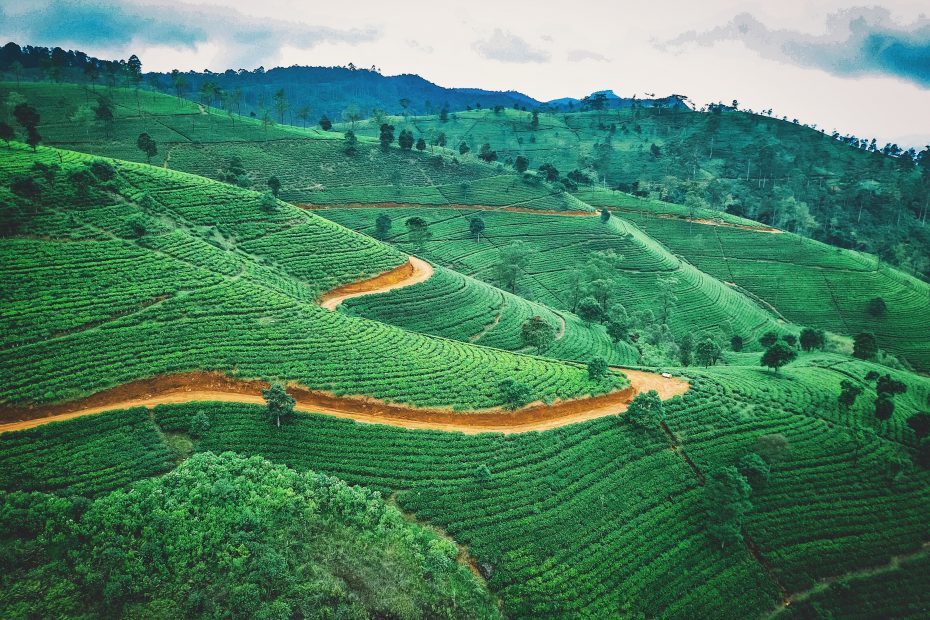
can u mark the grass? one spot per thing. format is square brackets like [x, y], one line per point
[563, 245]
[808, 282]
[217, 283]
[561, 507]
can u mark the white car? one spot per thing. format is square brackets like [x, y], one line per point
[666, 375]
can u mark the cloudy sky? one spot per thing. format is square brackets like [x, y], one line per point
[858, 68]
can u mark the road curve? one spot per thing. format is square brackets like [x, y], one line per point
[414, 271]
[216, 387]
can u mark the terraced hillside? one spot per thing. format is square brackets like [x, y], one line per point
[563, 244]
[551, 513]
[771, 170]
[158, 272]
[807, 282]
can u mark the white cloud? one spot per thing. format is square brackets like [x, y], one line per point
[508, 47]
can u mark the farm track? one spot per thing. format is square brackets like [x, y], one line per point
[412, 272]
[217, 387]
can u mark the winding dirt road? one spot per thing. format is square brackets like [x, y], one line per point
[412, 272]
[216, 387]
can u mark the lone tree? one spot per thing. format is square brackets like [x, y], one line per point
[515, 394]
[865, 347]
[274, 184]
[464, 149]
[280, 404]
[521, 164]
[812, 338]
[405, 140]
[605, 215]
[597, 369]
[708, 351]
[421, 144]
[646, 411]
[476, 227]
[726, 497]
[487, 154]
[419, 231]
[778, 355]
[514, 259]
[773, 447]
[28, 117]
[884, 408]
[876, 307]
[325, 123]
[382, 226]
[386, 137]
[351, 143]
[147, 145]
[537, 333]
[736, 343]
[849, 392]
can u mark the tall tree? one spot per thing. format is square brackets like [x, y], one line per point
[279, 404]
[382, 226]
[281, 104]
[476, 227]
[147, 145]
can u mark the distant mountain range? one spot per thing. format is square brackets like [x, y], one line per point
[326, 91]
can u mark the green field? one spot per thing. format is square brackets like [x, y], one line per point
[116, 270]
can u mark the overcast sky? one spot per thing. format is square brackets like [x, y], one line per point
[856, 68]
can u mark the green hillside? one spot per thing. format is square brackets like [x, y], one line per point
[555, 510]
[770, 170]
[158, 272]
[560, 247]
[807, 282]
[781, 481]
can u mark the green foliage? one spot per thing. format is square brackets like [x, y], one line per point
[200, 424]
[884, 408]
[877, 307]
[920, 424]
[240, 537]
[736, 343]
[646, 411]
[476, 227]
[708, 351]
[405, 140]
[864, 346]
[597, 369]
[811, 339]
[849, 391]
[147, 145]
[726, 497]
[537, 333]
[274, 184]
[382, 226]
[768, 339]
[279, 404]
[755, 469]
[589, 309]
[778, 355]
[515, 394]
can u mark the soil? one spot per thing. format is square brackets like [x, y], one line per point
[212, 386]
[412, 272]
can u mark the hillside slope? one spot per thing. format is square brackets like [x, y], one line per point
[157, 272]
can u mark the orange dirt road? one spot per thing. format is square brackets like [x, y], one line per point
[412, 272]
[208, 386]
